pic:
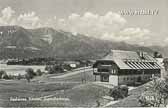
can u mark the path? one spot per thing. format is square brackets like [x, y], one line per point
[104, 84]
[77, 71]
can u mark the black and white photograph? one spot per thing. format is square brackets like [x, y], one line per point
[84, 53]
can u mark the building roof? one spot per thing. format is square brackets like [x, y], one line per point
[131, 60]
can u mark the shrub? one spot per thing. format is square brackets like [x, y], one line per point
[19, 77]
[47, 68]
[58, 68]
[30, 74]
[156, 93]
[54, 69]
[67, 67]
[38, 72]
[119, 92]
[2, 72]
[5, 76]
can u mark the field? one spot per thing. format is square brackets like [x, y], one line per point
[18, 69]
[22, 89]
[70, 89]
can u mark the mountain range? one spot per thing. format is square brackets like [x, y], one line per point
[18, 42]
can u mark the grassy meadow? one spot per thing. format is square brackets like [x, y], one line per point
[72, 88]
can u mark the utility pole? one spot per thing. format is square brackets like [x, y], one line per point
[84, 72]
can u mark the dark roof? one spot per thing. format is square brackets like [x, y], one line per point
[131, 60]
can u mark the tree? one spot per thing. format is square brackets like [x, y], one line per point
[47, 68]
[98, 103]
[38, 72]
[2, 72]
[160, 56]
[50, 69]
[165, 61]
[119, 92]
[19, 77]
[58, 68]
[155, 54]
[30, 74]
[5, 76]
[156, 93]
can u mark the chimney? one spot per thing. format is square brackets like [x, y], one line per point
[141, 54]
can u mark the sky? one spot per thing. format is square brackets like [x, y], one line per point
[113, 20]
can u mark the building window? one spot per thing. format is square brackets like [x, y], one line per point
[104, 78]
[103, 70]
[113, 71]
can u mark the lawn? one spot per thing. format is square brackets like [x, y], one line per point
[78, 94]
[88, 75]
[86, 95]
[19, 69]
[22, 89]
[71, 87]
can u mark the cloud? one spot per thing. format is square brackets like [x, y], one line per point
[93, 24]
[135, 35]
[136, 32]
[7, 16]
[110, 26]
[29, 20]
[129, 35]
[165, 41]
[114, 37]
[7, 13]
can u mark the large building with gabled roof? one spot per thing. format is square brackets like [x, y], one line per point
[126, 67]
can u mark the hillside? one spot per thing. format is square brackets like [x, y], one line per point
[18, 42]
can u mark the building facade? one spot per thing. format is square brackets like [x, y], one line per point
[126, 67]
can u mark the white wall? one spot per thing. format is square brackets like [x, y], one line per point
[113, 79]
[163, 72]
[125, 79]
[97, 77]
[128, 79]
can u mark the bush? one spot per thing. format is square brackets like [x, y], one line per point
[58, 69]
[119, 92]
[156, 93]
[49, 69]
[30, 74]
[54, 69]
[11, 77]
[19, 77]
[38, 72]
[67, 67]
[5, 76]
[2, 72]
